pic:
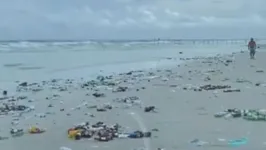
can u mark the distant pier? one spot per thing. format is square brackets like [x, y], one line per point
[209, 41]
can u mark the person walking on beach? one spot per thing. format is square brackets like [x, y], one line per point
[252, 48]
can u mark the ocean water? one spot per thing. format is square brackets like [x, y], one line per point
[42, 60]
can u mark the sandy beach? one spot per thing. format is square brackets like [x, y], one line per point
[184, 109]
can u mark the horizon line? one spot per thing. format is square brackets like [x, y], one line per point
[121, 40]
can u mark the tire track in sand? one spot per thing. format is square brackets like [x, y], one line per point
[143, 127]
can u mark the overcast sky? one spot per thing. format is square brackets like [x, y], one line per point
[131, 19]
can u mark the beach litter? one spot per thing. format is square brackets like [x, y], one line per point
[64, 148]
[16, 132]
[103, 133]
[150, 109]
[120, 89]
[198, 142]
[3, 138]
[98, 94]
[259, 71]
[242, 80]
[129, 101]
[36, 130]
[231, 143]
[231, 90]
[4, 93]
[237, 142]
[214, 87]
[12, 107]
[248, 114]
[207, 87]
[104, 107]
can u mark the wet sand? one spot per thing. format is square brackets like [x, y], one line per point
[183, 114]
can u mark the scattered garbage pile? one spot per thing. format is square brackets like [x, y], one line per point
[12, 99]
[101, 80]
[104, 107]
[25, 86]
[130, 100]
[101, 132]
[207, 87]
[32, 130]
[248, 114]
[55, 84]
[214, 87]
[120, 89]
[14, 107]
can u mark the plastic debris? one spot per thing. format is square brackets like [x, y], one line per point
[3, 138]
[198, 142]
[98, 94]
[150, 109]
[16, 132]
[231, 90]
[35, 130]
[103, 133]
[64, 148]
[238, 142]
[248, 114]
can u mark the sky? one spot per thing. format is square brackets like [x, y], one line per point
[131, 19]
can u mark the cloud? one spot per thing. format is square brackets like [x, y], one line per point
[107, 19]
[149, 17]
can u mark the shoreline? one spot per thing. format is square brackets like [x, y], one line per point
[184, 112]
[172, 63]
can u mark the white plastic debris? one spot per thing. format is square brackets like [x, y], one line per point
[65, 148]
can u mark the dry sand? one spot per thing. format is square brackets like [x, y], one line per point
[183, 115]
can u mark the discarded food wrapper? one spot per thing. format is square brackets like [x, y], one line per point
[35, 130]
[74, 134]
